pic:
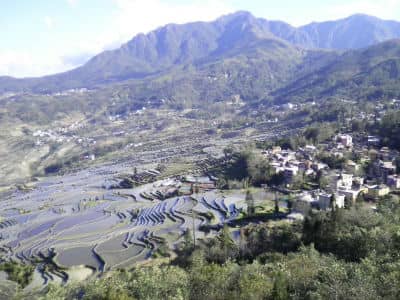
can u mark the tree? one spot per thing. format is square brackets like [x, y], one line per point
[250, 203]
[22, 274]
[360, 198]
[226, 242]
[333, 201]
[277, 179]
[221, 248]
[298, 181]
[389, 129]
[276, 208]
[280, 289]
[247, 166]
[290, 201]
[185, 249]
[397, 165]
[228, 152]
[188, 241]
[348, 202]
[321, 180]
[319, 132]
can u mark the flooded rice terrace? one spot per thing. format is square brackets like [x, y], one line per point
[74, 220]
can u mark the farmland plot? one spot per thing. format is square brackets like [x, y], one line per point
[74, 222]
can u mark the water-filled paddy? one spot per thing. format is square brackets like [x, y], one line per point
[84, 224]
[78, 256]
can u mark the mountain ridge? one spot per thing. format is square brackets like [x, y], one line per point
[353, 74]
[175, 45]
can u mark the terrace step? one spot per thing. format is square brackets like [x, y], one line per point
[8, 223]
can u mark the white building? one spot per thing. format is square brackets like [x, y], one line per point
[324, 201]
[351, 194]
[306, 197]
[345, 139]
[345, 181]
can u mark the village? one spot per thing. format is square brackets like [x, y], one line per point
[338, 173]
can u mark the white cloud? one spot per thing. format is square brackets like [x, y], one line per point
[142, 16]
[129, 18]
[48, 21]
[72, 3]
[25, 64]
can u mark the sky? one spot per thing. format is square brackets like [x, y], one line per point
[41, 37]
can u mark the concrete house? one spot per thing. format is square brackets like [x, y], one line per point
[325, 199]
[345, 140]
[386, 168]
[290, 173]
[345, 181]
[351, 194]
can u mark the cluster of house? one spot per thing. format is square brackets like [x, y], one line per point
[346, 184]
[196, 184]
[292, 163]
[70, 92]
[62, 135]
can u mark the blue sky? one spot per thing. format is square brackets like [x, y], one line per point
[40, 37]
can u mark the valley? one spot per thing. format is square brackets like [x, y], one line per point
[239, 158]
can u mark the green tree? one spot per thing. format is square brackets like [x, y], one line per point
[397, 165]
[276, 204]
[228, 152]
[250, 203]
[321, 179]
[22, 274]
[333, 201]
[280, 289]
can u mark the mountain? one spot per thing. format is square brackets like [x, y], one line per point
[158, 51]
[197, 44]
[285, 75]
[354, 32]
[370, 73]
[222, 75]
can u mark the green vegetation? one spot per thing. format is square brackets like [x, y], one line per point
[318, 133]
[370, 74]
[389, 129]
[22, 274]
[246, 166]
[332, 161]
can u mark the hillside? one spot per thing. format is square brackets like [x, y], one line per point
[371, 73]
[199, 72]
[198, 44]
[354, 32]
[156, 52]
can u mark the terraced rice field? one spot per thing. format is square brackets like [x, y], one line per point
[75, 222]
